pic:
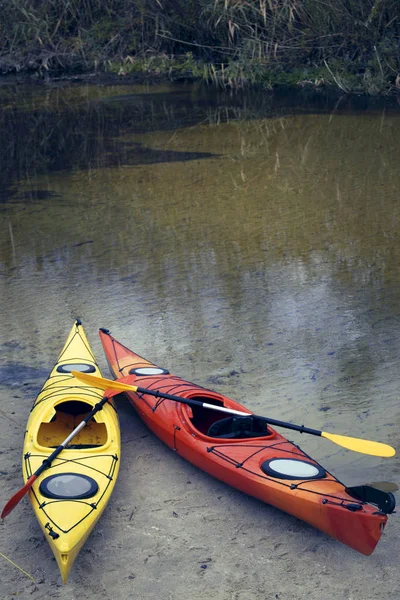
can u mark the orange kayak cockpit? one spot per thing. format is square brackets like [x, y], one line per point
[218, 425]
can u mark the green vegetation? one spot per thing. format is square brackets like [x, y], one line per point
[351, 44]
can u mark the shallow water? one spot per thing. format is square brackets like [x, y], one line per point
[249, 243]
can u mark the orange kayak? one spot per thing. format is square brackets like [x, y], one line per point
[248, 454]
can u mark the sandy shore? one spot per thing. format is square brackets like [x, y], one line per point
[172, 532]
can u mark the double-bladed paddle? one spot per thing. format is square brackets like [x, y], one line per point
[14, 500]
[351, 443]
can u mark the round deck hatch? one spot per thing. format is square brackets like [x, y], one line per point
[292, 468]
[81, 367]
[68, 486]
[149, 371]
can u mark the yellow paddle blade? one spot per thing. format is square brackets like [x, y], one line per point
[358, 445]
[102, 383]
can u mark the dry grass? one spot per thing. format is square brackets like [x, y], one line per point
[240, 41]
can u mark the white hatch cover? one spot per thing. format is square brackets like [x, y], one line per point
[292, 468]
[81, 367]
[149, 371]
[68, 486]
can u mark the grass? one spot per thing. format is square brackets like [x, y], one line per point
[350, 44]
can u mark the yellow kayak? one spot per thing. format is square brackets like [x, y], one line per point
[69, 496]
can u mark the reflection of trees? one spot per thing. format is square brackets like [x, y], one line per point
[80, 127]
[61, 133]
[313, 188]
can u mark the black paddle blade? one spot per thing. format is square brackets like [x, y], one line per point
[385, 501]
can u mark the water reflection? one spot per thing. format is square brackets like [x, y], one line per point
[251, 244]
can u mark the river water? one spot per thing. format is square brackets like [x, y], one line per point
[247, 242]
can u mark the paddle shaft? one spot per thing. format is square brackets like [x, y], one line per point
[230, 411]
[355, 444]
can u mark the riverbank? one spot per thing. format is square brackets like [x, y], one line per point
[172, 532]
[353, 47]
[290, 82]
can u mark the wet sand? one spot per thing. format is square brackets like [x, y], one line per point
[172, 532]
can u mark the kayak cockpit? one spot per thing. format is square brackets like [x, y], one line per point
[65, 418]
[222, 426]
[238, 427]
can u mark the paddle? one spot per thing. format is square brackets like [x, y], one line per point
[14, 500]
[351, 443]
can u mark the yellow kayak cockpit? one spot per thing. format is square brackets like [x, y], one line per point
[64, 418]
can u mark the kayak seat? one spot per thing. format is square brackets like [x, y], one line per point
[238, 427]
